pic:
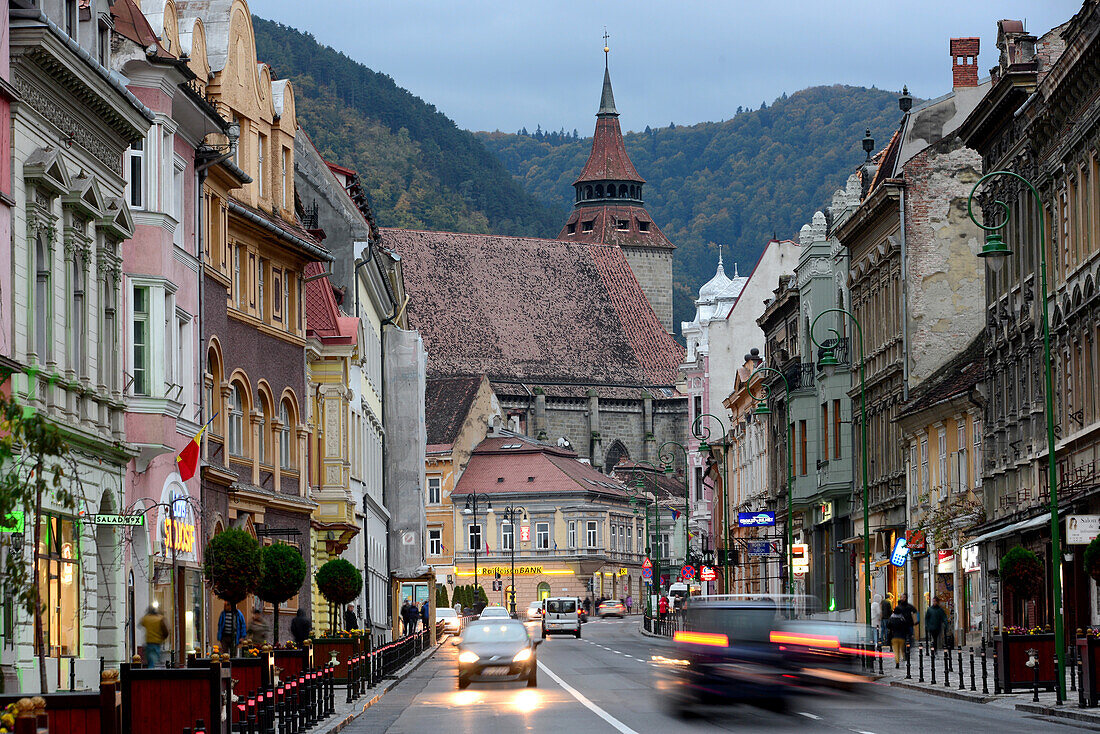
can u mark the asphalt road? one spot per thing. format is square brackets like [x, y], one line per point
[607, 681]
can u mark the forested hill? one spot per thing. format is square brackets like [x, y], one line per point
[420, 170]
[734, 182]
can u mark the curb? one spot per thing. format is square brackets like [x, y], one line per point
[944, 692]
[1061, 712]
[387, 686]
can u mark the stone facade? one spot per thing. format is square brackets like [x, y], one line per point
[653, 269]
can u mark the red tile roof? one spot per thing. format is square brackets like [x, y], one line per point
[963, 373]
[129, 22]
[605, 227]
[530, 467]
[539, 311]
[323, 319]
[447, 402]
[608, 160]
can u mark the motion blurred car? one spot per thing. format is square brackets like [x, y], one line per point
[494, 612]
[560, 615]
[496, 650]
[534, 610]
[450, 619]
[611, 608]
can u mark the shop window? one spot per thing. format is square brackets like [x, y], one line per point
[59, 585]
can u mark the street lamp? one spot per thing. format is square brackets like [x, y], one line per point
[701, 431]
[638, 493]
[994, 253]
[510, 512]
[762, 409]
[667, 457]
[828, 363]
[471, 508]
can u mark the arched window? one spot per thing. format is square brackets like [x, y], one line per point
[236, 420]
[41, 298]
[599, 191]
[622, 191]
[214, 390]
[543, 591]
[286, 458]
[263, 442]
[588, 192]
[633, 192]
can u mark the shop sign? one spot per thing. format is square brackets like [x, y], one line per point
[759, 548]
[825, 509]
[945, 561]
[800, 558]
[623, 572]
[507, 571]
[179, 536]
[177, 526]
[707, 573]
[915, 540]
[1082, 529]
[525, 533]
[13, 523]
[970, 559]
[900, 553]
[755, 519]
[107, 519]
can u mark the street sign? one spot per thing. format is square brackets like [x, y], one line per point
[647, 573]
[102, 519]
[646, 563]
[687, 572]
[759, 548]
[755, 519]
[706, 573]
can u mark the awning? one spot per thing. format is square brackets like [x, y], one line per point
[1008, 529]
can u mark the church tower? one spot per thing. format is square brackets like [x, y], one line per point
[609, 209]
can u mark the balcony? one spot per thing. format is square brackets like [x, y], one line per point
[800, 376]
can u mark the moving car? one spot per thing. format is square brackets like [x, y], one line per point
[560, 616]
[534, 610]
[494, 612]
[496, 650]
[611, 608]
[450, 619]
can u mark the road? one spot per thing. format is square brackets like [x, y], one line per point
[606, 682]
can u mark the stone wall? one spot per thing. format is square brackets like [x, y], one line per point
[653, 269]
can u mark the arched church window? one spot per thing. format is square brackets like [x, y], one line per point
[622, 191]
[588, 192]
[599, 191]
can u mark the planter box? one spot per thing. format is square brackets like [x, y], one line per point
[248, 674]
[345, 648]
[90, 712]
[160, 700]
[1012, 671]
[293, 663]
[1088, 652]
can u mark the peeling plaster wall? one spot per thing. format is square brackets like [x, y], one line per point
[946, 278]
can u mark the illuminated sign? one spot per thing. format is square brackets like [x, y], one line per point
[706, 573]
[179, 536]
[800, 557]
[900, 553]
[755, 519]
[623, 572]
[520, 571]
[103, 519]
[13, 523]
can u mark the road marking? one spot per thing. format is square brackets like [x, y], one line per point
[811, 716]
[859, 731]
[618, 725]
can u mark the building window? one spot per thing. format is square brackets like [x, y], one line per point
[571, 228]
[802, 447]
[698, 484]
[914, 481]
[285, 458]
[260, 303]
[942, 463]
[836, 429]
[542, 591]
[70, 19]
[42, 300]
[435, 490]
[78, 325]
[571, 534]
[236, 421]
[59, 585]
[263, 445]
[542, 535]
[238, 277]
[641, 548]
[102, 45]
[507, 535]
[435, 542]
[591, 534]
[924, 482]
[136, 171]
[643, 226]
[473, 537]
[825, 431]
[141, 341]
[963, 462]
[587, 226]
[286, 178]
[614, 537]
[261, 144]
[622, 225]
[977, 453]
[108, 357]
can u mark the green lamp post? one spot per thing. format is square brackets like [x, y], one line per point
[702, 433]
[652, 551]
[763, 410]
[666, 454]
[994, 253]
[828, 364]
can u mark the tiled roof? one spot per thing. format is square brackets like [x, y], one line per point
[957, 377]
[447, 402]
[605, 227]
[129, 22]
[608, 160]
[667, 488]
[323, 318]
[513, 464]
[539, 311]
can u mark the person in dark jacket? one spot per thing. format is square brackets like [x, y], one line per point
[300, 627]
[899, 626]
[910, 613]
[424, 615]
[935, 623]
[410, 616]
[350, 620]
[231, 629]
[887, 610]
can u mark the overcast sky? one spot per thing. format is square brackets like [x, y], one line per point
[512, 63]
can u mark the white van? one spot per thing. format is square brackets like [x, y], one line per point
[560, 616]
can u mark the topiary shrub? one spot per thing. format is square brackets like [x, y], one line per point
[1092, 559]
[1022, 572]
[233, 565]
[284, 572]
[339, 581]
[441, 597]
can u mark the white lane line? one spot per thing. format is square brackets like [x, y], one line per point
[858, 731]
[618, 725]
[811, 716]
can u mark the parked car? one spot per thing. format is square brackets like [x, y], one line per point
[611, 608]
[450, 619]
[496, 650]
[560, 615]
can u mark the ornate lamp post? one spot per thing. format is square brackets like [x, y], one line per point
[762, 409]
[994, 252]
[510, 512]
[701, 431]
[828, 363]
[667, 457]
[653, 553]
[471, 508]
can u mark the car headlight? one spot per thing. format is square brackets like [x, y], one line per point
[524, 654]
[468, 657]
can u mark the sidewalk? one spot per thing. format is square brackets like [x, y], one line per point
[949, 688]
[346, 713]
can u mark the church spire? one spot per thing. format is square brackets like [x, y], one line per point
[607, 97]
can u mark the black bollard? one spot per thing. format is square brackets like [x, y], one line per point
[1073, 669]
[1034, 676]
[932, 660]
[946, 669]
[920, 663]
[985, 682]
[351, 680]
[996, 679]
[1081, 703]
[908, 662]
[973, 686]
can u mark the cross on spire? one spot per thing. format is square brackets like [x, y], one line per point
[606, 48]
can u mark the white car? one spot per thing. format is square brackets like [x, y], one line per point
[534, 610]
[494, 612]
[561, 617]
[449, 618]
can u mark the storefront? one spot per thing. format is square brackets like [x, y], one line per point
[59, 576]
[177, 577]
[973, 597]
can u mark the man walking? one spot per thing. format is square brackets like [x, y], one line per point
[935, 623]
[911, 614]
[900, 628]
[156, 632]
[230, 629]
[424, 614]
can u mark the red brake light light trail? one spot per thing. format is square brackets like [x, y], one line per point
[793, 638]
[702, 638]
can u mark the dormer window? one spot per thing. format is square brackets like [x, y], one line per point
[643, 226]
[587, 226]
[623, 224]
[571, 228]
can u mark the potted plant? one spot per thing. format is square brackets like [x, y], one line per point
[233, 565]
[1021, 572]
[284, 572]
[340, 583]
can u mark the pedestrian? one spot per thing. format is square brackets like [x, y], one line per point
[876, 619]
[156, 632]
[662, 607]
[935, 623]
[911, 614]
[424, 614]
[350, 620]
[410, 616]
[230, 629]
[587, 604]
[301, 627]
[403, 615]
[629, 603]
[258, 629]
[884, 613]
[899, 626]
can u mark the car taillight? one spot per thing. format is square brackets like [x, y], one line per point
[795, 638]
[712, 639]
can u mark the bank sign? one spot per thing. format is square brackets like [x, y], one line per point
[755, 519]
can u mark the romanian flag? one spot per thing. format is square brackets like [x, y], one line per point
[188, 459]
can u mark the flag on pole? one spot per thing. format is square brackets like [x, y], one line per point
[675, 514]
[188, 459]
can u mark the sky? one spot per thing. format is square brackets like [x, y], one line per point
[511, 64]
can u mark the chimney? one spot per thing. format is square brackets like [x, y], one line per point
[964, 62]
